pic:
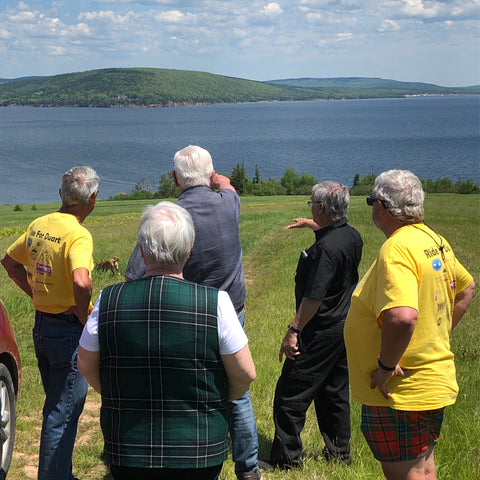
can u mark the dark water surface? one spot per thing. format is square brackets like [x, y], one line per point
[432, 136]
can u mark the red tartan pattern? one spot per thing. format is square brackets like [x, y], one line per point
[396, 435]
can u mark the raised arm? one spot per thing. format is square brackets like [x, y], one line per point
[220, 182]
[304, 222]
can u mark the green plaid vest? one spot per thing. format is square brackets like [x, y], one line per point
[164, 388]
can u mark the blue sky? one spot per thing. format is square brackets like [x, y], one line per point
[409, 40]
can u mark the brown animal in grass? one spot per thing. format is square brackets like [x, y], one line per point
[110, 264]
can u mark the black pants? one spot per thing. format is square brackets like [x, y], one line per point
[318, 374]
[129, 473]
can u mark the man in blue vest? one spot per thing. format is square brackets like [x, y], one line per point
[166, 354]
[216, 260]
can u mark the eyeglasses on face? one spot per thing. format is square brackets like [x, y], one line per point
[371, 200]
[310, 203]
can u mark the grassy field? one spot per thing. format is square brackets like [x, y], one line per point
[270, 257]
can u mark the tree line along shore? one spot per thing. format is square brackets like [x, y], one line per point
[290, 183]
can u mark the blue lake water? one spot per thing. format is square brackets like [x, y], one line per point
[432, 136]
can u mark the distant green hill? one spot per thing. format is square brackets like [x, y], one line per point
[142, 87]
[366, 83]
[352, 82]
[163, 88]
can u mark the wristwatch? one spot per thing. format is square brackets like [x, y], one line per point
[294, 330]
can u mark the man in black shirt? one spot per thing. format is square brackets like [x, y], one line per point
[315, 367]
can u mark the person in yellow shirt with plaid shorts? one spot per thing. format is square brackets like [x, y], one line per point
[397, 332]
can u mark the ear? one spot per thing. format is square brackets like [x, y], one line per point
[141, 252]
[383, 211]
[93, 198]
[174, 175]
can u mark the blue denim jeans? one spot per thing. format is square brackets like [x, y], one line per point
[56, 345]
[243, 429]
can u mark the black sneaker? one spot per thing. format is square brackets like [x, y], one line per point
[344, 458]
[272, 464]
[266, 466]
[251, 475]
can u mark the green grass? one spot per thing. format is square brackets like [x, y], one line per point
[270, 257]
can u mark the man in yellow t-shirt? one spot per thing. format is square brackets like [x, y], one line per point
[51, 262]
[397, 331]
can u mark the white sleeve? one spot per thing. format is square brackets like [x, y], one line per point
[231, 336]
[89, 338]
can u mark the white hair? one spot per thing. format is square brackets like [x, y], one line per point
[335, 198]
[78, 185]
[166, 234]
[403, 193]
[193, 166]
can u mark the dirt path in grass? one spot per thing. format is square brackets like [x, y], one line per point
[25, 460]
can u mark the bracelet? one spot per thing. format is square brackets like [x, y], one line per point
[384, 367]
[293, 329]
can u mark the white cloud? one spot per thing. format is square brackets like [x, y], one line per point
[315, 17]
[23, 17]
[273, 9]
[388, 26]
[344, 36]
[258, 39]
[4, 34]
[83, 28]
[417, 8]
[240, 33]
[57, 51]
[108, 16]
[22, 6]
[175, 16]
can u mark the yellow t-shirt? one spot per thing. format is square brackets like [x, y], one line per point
[51, 249]
[410, 271]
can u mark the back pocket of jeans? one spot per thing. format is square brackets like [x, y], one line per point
[59, 351]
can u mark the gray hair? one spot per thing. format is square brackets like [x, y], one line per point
[193, 166]
[78, 185]
[403, 193]
[335, 198]
[166, 234]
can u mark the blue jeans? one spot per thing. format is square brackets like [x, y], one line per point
[56, 345]
[243, 429]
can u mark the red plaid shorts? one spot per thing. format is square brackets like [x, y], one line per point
[396, 435]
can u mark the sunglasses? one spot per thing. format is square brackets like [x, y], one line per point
[371, 200]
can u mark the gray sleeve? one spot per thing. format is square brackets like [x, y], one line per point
[136, 266]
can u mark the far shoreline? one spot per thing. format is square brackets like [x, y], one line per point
[203, 104]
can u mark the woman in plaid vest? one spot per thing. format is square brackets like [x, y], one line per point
[166, 355]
